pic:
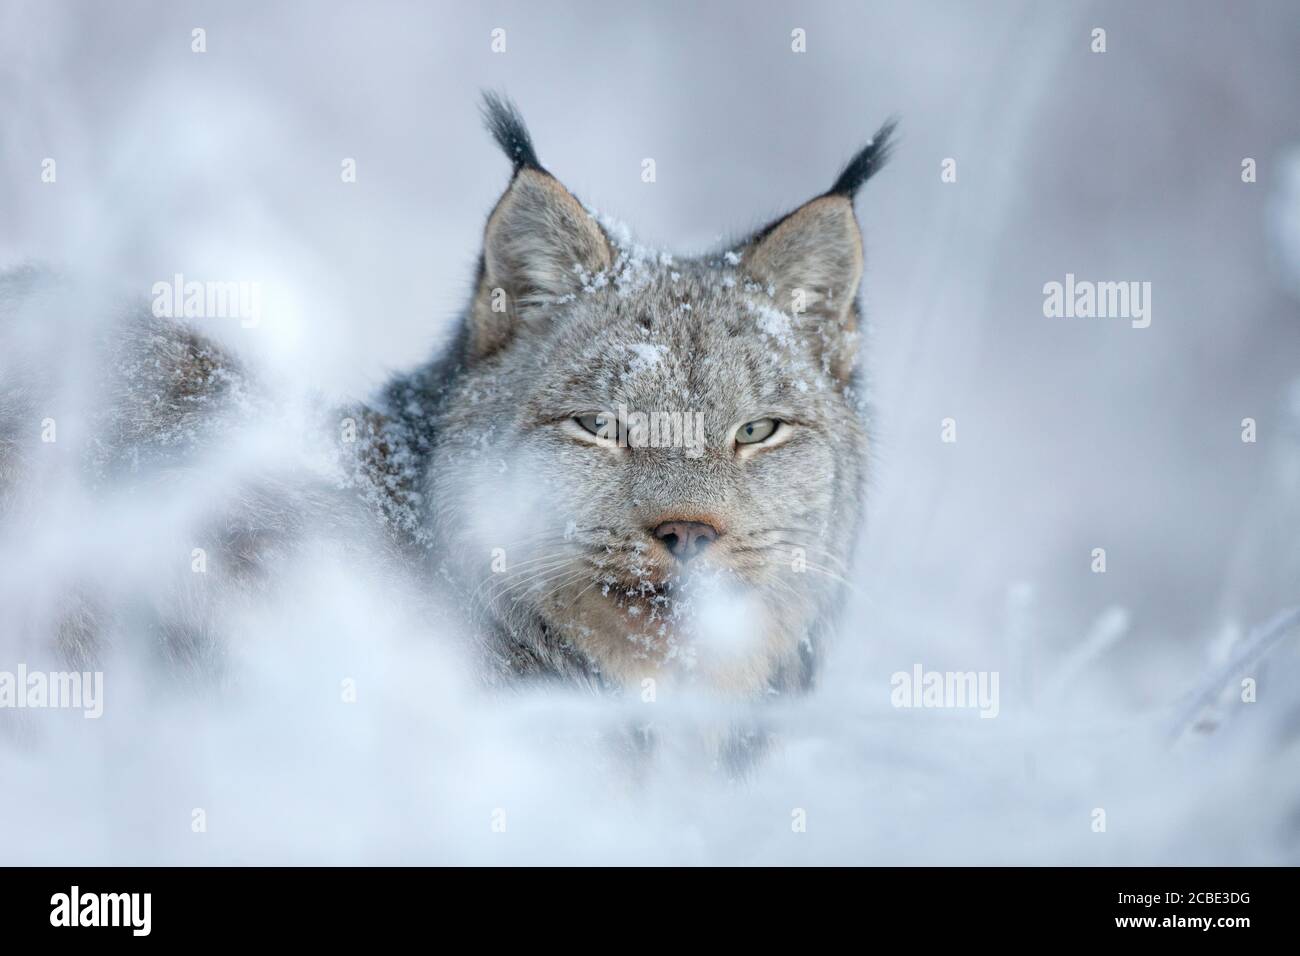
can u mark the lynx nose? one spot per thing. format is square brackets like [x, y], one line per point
[686, 539]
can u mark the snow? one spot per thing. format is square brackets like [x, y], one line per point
[976, 553]
[645, 356]
[773, 323]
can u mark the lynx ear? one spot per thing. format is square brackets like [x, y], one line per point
[538, 244]
[811, 262]
[812, 259]
[539, 239]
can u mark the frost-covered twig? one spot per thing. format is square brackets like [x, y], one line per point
[1262, 639]
[1109, 628]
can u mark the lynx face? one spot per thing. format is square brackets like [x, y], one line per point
[656, 463]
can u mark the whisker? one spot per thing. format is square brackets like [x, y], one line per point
[565, 578]
[578, 596]
[511, 581]
[822, 552]
[568, 579]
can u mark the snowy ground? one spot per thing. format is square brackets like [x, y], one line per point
[1072, 435]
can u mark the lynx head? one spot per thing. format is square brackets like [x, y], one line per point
[650, 461]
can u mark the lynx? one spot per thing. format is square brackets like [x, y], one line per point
[628, 469]
[619, 561]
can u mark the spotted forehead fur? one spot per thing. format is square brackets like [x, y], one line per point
[694, 336]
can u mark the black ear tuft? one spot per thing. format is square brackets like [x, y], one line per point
[508, 129]
[866, 164]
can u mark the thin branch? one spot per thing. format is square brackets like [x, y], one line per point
[1262, 639]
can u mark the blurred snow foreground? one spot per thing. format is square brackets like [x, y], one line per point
[335, 718]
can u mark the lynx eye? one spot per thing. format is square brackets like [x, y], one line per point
[751, 433]
[598, 424]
